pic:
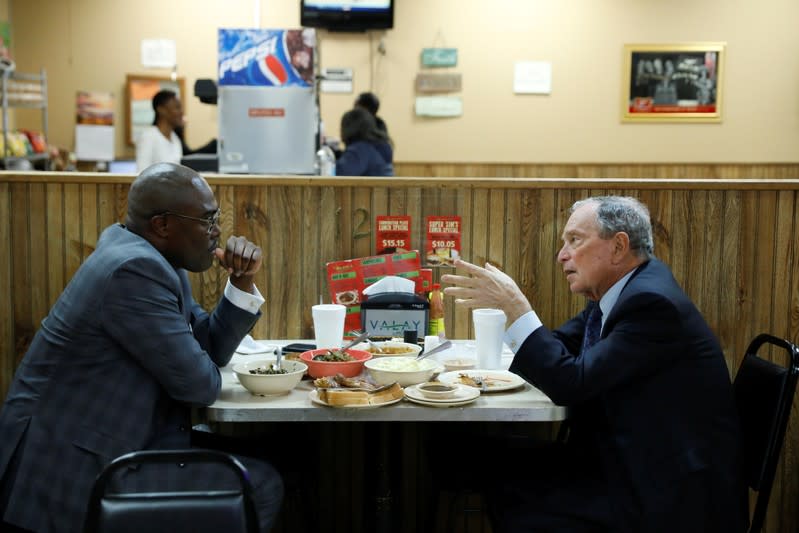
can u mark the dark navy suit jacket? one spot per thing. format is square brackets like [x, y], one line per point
[363, 158]
[652, 401]
[115, 367]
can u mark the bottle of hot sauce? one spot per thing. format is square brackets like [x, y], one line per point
[436, 326]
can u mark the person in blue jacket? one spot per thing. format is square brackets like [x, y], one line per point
[369, 151]
[655, 444]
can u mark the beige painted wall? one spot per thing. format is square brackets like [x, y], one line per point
[92, 44]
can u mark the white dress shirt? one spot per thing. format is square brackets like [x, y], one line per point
[526, 324]
[244, 300]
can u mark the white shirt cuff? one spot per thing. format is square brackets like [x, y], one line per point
[244, 300]
[518, 332]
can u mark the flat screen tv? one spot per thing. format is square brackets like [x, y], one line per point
[347, 15]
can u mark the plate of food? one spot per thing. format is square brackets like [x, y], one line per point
[484, 380]
[357, 398]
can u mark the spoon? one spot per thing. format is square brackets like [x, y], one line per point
[441, 347]
[278, 357]
[375, 347]
[356, 340]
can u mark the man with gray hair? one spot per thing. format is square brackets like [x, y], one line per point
[655, 442]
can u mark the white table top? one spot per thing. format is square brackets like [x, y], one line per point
[236, 404]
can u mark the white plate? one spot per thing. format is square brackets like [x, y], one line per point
[463, 394]
[496, 380]
[433, 403]
[314, 396]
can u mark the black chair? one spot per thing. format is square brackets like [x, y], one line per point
[763, 394]
[187, 511]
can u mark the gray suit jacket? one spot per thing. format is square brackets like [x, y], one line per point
[115, 367]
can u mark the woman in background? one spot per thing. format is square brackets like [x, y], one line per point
[160, 143]
[371, 103]
[369, 151]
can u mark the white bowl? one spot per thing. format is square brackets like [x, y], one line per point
[435, 390]
[397, 348]
[269, 384]
[404, 370]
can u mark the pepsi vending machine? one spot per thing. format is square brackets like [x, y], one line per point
[268, 110]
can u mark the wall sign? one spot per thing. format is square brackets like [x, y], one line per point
[439, 57]
[438, 83]
[439, 106]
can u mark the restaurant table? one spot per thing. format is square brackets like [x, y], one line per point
[236, 404]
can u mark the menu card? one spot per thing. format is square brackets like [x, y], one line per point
[393, 234]
[443, 242]
[347, 279]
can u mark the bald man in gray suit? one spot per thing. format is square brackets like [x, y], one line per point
[125, 354]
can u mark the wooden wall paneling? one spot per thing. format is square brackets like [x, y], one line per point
[790, 454]
[496, 230]
[525, 218]
[449, 205]
[106, 206]
[120, 201]
[21, 239]
[681, 244]
[480, 227]
[765, 261]
[39, 263]
[736, 247]
[8, 360]
[711, 282]
[783, 259]
[479, 237]
[794, 269]
[747, 290]
[88, 206]
[729, 276]
[513, 247]
[310, 258]
[280, 259]
[329, 242]
[362, 235]
[344, 219]
[700, 249]
[381, 205]
[459, 317]
[293, 270]
[565, 304]
[544, 245]
[54, 237]
[72, 230]
[252, 206]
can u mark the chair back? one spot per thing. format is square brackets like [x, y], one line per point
[175, 511]
[763, 395]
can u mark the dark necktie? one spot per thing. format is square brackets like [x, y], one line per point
[593, 327]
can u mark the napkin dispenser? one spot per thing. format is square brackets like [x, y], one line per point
[389, 314]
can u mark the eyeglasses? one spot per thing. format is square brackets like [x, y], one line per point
[211, 221]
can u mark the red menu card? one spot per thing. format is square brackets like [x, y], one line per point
[443, 242]
[347, 279]
[393, 234]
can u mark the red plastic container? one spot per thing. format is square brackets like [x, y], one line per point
[350, 369]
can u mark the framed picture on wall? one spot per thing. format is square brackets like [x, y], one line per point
[139, 92]
[673, 82]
